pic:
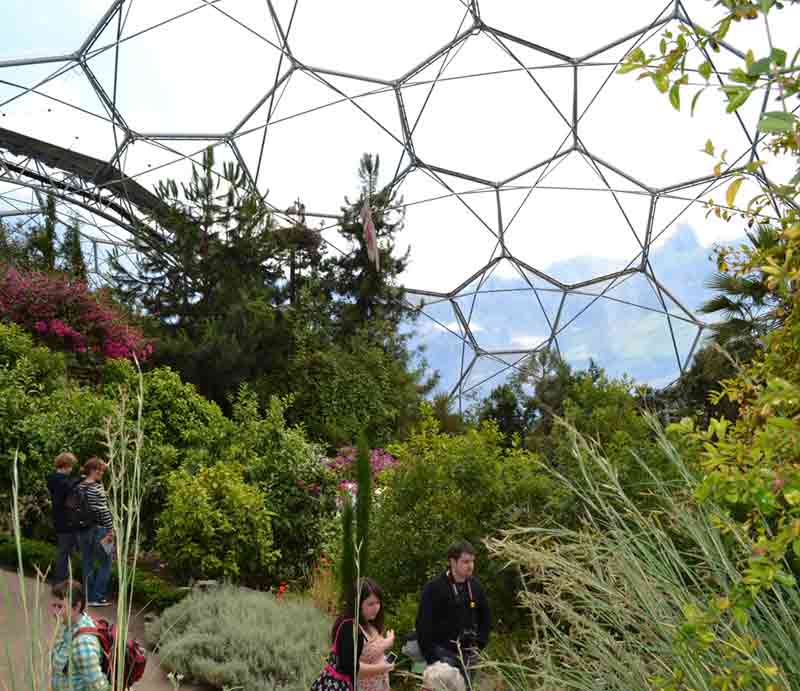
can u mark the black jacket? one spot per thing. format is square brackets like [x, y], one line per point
[444, 616]
[60, 486]
[344, 648]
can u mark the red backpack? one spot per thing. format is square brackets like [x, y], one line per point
[135, 657]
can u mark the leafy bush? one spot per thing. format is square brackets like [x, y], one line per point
[607, 412]
[446, 488]
[286, 466]
[341, 391]
[228, 637]
[15, 344]
[65, 314]
[182, 429]
[214, 525]
[41, 415]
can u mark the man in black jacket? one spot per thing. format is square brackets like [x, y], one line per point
[60, 483]
[453, 620]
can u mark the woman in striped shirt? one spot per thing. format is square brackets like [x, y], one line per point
[96, 541]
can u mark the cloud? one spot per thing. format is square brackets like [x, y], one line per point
[527, 341]
[454, 327]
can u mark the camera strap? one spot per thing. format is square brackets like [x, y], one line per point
[468, 589]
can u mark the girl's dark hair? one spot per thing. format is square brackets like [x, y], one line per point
[93, 464]
[352, 610]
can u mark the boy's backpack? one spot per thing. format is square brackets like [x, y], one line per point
[77, 511]
[135, 656]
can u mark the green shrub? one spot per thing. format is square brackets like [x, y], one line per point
[606, 411]
[215, 525]
[16, 344]
[240, 638]
[342, 390]
[445, 488]
[40, 425]
[299, 489]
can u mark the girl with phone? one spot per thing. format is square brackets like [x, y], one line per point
[360, 643]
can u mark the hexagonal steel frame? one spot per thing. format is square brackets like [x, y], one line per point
[102, 189]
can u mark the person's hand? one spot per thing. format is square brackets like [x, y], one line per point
[388, 639]
[107, 538]
[385, 667]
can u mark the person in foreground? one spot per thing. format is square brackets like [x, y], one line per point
[358, 639]
[453, 619]
[77, 657]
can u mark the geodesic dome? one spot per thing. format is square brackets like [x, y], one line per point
[540, 186]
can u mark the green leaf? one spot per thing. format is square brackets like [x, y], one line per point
[694, 100]
[736, 98]
[662, 46]
[779, 57]
[627, 67]
[776, 122]
[738, 75]
[765, 5]
[675, 96]
[782, 422]
[709, 148]
[661, 81]
[636, 55]
[724, 27]
[705, 70]
[792, 497]
[753, 166]
[733, 189]
[760, 67]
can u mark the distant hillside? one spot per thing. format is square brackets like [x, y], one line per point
[507, 314]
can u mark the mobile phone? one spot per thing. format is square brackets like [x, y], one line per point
[391, 658]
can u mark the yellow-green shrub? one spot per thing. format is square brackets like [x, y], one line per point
[215, 525]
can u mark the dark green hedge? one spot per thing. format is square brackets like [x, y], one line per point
[149, 589]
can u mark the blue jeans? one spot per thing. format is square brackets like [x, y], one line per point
[96, 563]
[66, 545]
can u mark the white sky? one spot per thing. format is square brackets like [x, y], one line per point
[207, 71]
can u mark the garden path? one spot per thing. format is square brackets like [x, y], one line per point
[14, 637]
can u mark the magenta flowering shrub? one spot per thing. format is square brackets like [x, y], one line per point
[61, 311]
[343, 466]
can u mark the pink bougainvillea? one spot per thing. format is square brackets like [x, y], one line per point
[64, 313]
[379, 460]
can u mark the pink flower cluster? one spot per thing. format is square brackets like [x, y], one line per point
[63, 311]
[379, 461]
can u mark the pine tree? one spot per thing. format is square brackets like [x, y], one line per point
[370, 298]
[209, 273]
[215, 239]
[71, 252]
[42, 243]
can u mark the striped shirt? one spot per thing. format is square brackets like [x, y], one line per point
[98, 503]
[77, 660]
